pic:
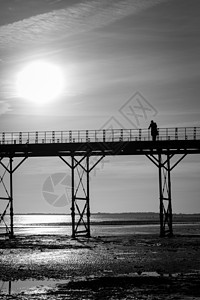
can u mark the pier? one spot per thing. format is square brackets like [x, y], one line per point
[77, 150]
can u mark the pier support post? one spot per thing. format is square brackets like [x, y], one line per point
[80, 197]
[165, 197]
[163, 162]
[11, 200]
[6, 190]
[80, 193]
[73, 198]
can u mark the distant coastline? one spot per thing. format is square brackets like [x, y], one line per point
[129, 217]
[114, 213]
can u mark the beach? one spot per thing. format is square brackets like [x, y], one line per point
[112, 264]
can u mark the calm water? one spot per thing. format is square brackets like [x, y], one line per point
[101, 224]
[61, 224]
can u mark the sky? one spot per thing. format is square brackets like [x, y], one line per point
[113, 55]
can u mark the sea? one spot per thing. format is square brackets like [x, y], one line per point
[102, 224]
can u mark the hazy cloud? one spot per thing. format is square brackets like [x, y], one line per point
[58, 24]
[4, 107]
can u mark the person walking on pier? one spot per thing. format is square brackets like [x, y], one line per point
[154, 130]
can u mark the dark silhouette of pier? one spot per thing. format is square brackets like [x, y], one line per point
[77, 149]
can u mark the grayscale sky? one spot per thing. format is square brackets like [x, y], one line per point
[111, 53]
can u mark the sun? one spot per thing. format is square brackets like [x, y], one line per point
[40, 82]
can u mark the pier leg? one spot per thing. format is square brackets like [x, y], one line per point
[80, 197]
[163, 162]
[73, 199]
[6, 188]
[165, 197]
[88, 194]
[11, 200]
[6, 196]
[80, 181]
[160, 195]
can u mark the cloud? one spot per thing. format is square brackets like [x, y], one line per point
[4, 107]
[62, 23]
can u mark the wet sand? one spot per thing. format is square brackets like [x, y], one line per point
[137, 266]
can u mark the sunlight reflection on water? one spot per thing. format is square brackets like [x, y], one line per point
[61, 225]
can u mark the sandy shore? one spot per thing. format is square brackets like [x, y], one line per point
[103, 267]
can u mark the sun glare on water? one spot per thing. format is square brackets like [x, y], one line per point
[40, 82]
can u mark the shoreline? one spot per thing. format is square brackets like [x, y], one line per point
[109, 266]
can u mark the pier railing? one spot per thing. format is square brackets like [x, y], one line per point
[103, 135]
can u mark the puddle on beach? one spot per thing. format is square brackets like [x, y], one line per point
[29, 286]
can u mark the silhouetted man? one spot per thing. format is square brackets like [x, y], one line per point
[154, 130]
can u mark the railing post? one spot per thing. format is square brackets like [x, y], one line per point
[3, 138]
[194, 133]
[70, 136]
[20, 138]
[176, 133]
[87, 139]
[95, 136]
[121, 135]
[185, 133]
[140, 134]
[61, 137]
[104, 135]
[53, 136]
[36, 137]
